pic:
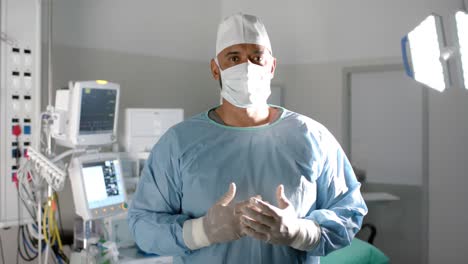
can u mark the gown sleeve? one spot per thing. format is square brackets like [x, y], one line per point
[155, 219]
[340, 206]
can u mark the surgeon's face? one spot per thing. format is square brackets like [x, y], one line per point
[241, 53]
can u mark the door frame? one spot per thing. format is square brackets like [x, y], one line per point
[347, 73]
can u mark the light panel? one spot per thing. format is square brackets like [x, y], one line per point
[462, 31]
[425, 43]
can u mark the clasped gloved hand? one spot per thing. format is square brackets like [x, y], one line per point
[220, 224]
[279, 225]
[222, 221]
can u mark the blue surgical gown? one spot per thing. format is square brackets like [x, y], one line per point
[191, 167]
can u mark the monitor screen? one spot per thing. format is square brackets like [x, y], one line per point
[97, 111]
[102, 183]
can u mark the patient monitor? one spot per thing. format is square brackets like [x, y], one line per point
[86, 114]
[98, 186]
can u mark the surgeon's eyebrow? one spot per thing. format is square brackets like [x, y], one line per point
[232, 53]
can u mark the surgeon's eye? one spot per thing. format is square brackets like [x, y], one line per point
[258, 60]
[234, 59]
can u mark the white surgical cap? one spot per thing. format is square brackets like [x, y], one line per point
[239, 29]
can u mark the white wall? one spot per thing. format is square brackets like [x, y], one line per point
[303, 32]
[448, 164]
[448, 167]
[174, 29]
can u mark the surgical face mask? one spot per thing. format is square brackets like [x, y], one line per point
[246, 85]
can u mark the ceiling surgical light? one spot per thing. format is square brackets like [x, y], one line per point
[462, 32]
[427, 53]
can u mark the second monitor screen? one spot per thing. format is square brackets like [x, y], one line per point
[101, 182]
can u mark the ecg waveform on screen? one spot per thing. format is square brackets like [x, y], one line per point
[97, 110]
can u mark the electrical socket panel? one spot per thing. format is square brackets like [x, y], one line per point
[20, 98]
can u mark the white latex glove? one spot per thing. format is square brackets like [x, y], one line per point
[279, 225]
[220, 224]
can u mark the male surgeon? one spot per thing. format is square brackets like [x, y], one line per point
[246, 182]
